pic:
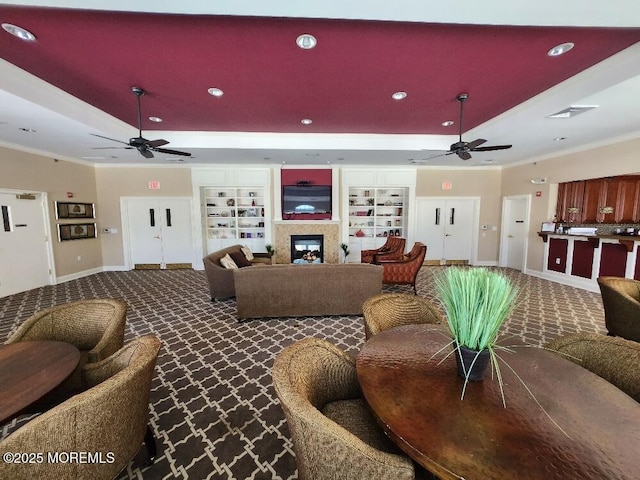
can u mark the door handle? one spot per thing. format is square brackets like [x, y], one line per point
[447, 234]
[157, 236]
[510, 236]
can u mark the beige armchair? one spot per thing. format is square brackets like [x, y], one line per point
[108, 420]
[612, 358]
[389, 310]
[95, 326]
[334, 435]
[621, 301]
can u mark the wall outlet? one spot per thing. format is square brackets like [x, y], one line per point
[558, 261]
[79, 258]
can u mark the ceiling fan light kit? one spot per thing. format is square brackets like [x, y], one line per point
[145, 147]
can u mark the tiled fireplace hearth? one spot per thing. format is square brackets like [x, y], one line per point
[328, 229]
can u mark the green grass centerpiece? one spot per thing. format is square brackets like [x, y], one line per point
[477, 301]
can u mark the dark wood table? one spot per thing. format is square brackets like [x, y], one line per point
[578, 426]
[28, 370]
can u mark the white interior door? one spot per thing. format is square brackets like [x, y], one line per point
[446, 227]
[514, 232]
[458, 230]
[430, 227]
[159, 232]
[25, 261]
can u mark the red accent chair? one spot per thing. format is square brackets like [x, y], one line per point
[405, 270]
[393, 249]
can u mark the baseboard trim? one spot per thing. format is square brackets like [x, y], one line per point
[77, 275]
[583, 284]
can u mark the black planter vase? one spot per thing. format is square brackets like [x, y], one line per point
[465, 359]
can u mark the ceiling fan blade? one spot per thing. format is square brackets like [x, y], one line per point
[494, 147]
[145, 152]
[171, 152]
[464, 155]
[107, 138]
[439, 155]
[111, 148]
[155, 143]
[475, 143]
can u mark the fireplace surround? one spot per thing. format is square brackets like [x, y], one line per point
[283, 230]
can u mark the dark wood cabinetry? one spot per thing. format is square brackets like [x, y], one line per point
[600, 200]
[570, 198]
[592, 200]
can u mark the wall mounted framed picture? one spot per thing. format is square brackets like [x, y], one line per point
[76, 231]
[74, 210]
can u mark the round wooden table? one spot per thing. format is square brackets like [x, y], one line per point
[28, 370]
[578, 426]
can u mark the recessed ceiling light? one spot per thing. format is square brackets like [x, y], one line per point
[312, 154]
[216, 92]
[306, 41]
[19, 32]
[306, 121]
[155, 119]
[28, 130]
[448, 123]
[399, 95]
[92, 158]
[560, 49]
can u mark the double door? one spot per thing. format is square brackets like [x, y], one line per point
[446, 227]
[160, 233]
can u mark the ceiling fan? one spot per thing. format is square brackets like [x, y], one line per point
[464, 149]
[144, 146]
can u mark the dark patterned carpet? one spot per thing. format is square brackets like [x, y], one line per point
[213, 408]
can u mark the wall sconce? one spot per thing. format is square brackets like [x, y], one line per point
[573, 210]
[605, 210]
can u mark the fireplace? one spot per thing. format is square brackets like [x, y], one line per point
[307, 248]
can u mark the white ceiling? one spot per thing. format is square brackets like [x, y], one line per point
[63, 123]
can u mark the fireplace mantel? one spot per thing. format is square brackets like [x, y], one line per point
[284, 229]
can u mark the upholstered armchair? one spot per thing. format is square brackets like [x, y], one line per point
[334, 435]
[389, 310]
[109, 420]
[621, 301]
[94, 326]
[613, 358]
[405, 270]
[392, 249]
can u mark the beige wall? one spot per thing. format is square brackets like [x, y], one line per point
[618, 159]
[469, 183]
[116, 182]
[26, 171]
[105, 185]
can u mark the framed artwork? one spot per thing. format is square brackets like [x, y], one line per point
[74, 210]
[76, 231]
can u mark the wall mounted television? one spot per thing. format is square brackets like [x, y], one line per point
[306, 199]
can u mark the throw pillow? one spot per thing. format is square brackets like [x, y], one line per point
[239, 259]
[247, 253]
[227, 262]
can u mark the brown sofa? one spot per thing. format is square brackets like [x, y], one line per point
[221, 283]
[305, 290]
